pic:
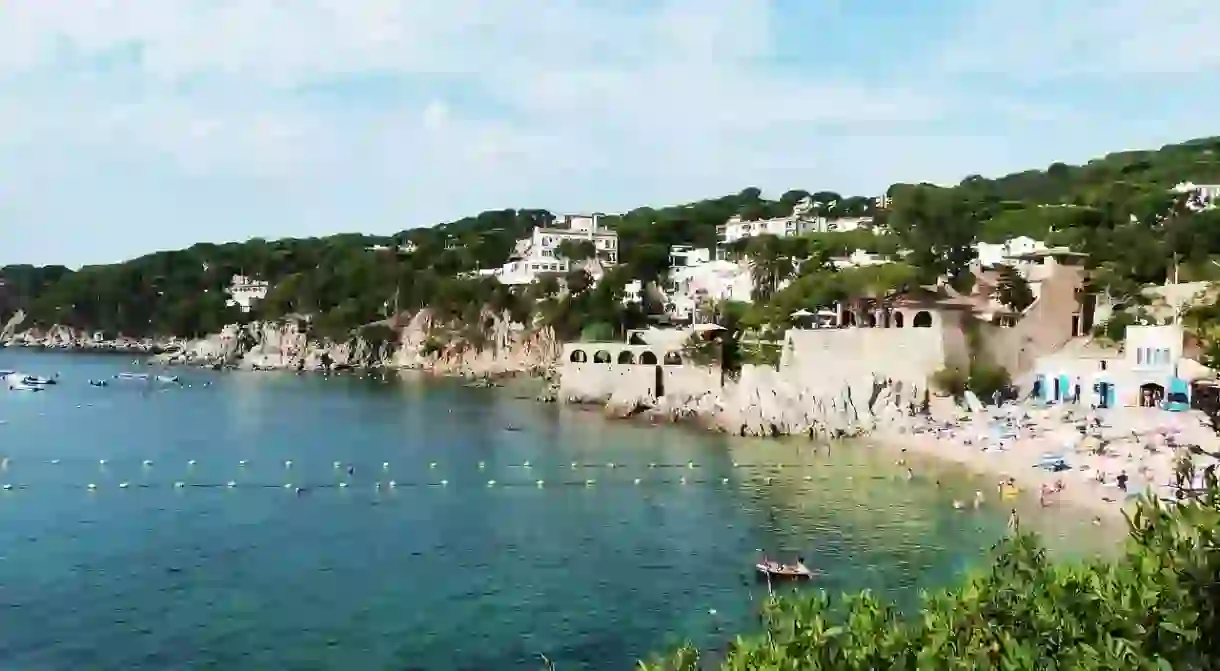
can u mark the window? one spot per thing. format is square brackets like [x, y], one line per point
[1139, 356]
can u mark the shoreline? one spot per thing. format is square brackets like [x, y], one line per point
[1083, 497]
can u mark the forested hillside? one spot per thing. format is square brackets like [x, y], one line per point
[1118, 209]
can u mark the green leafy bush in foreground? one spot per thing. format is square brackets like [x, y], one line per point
[1155, 608]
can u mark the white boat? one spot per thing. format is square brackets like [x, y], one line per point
[21, 386]
[132, 376]
[38, 381]
[168, 379]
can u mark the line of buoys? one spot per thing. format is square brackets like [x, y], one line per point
[432, 465]
[393, 484]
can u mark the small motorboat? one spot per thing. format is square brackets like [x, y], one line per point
[21, 386]
[131, 376]
[168, 379]
[97, 383]
[775, 571]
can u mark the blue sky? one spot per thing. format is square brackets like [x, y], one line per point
[130, 126]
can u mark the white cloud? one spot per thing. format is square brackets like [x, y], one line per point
[1048, 40]
[559, 103]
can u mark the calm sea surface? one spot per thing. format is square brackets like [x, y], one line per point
[210, 558]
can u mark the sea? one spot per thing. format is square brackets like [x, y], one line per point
[240, 520]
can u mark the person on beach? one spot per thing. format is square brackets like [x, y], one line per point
[1122, 480]
[910, 474]
[1014, 524]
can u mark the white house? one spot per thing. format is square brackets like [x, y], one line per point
[859, 259]
[1147, 372]
[990, 254]
[685, 256]
[801, 221]
[711, 281]
[244, 291]
[1205, 195]
[540, 253]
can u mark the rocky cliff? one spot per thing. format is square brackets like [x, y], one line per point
[763, 401]
[496, 346]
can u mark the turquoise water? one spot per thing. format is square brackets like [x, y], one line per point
[422, 575]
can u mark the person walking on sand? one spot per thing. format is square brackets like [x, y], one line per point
[1014, 524]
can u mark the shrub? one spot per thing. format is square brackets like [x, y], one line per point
[1153, 608]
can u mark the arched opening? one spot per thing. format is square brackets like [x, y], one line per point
[626, 356]
[1151, 395]
[602, 356]
[673, 359]
[898, 320]
[849, 318]
[578, 356]
[922, 320]
[870, 320]
[648, 358]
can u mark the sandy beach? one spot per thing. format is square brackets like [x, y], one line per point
[1095, 447]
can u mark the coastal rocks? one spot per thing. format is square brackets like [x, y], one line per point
[763, 401]
[11, 326]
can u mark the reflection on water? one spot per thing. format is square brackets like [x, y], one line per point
[445, 569]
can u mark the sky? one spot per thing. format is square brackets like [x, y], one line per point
[130, 126]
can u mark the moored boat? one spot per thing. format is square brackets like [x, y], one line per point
[775, 571]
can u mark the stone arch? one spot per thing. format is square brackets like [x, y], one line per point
[578, 356]
[898, 317]
[673, 359]
[1151, 394]
[922, 320]
[870, 320]
[648, 358]
[626, 356]
[602, 356]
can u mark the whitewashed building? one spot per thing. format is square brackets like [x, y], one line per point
[540, 253]
[245, 291]
[997, 254]
[803, 220]
[714, 281]
[1205, 195]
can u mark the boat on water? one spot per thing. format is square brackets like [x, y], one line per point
[770, 570]
[39, 381]
[22, 386]
[97, 383]
[168, 379]
[131, 376]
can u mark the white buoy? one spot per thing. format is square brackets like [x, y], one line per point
[432, 465]
[711, 611]
[445, 483]
[491, 483]
[724, 481]
[123, 485]
[385, 465]
[690, 464]
[288, 464]
[736, 465]
[637, 481]
[539, 483]
[573, 465]
[682, 479]
[101, 462]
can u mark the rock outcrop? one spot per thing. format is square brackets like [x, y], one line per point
[763, 401]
